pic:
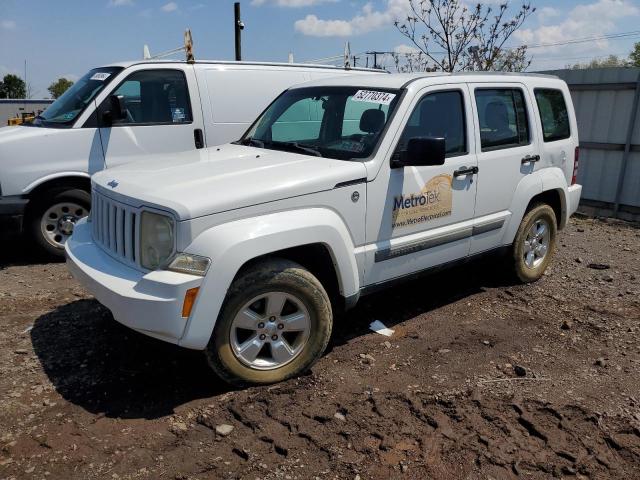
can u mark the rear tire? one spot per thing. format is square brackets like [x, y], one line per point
[53, 215]
[275, 323]
[535, 243]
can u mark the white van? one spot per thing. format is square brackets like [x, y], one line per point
[121, 113]
[246, 250]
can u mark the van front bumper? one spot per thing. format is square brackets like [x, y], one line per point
[148, 302]
[12, 205]
[12, 213]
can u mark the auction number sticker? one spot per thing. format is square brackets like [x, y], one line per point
[372, 96]
[102, 76]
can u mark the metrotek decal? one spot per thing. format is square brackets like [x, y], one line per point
[432, 202]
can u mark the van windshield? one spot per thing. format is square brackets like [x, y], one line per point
[344, 123]
[72, 103]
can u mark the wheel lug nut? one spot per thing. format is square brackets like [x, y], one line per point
[280, 326]
[263, 336]
[261, 325]
[272, 319]
[274, 337]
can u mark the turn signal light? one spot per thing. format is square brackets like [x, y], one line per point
[189, 300]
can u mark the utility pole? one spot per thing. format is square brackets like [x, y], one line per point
[238, 27]
[375, 58]
[27, 93]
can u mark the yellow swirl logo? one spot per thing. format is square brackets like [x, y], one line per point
[433, 201]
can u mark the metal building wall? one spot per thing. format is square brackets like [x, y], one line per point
[608, 113]
[10, 108]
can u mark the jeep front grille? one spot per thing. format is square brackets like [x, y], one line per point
[115, 227]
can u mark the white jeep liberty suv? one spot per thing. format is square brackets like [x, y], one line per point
[340, 187]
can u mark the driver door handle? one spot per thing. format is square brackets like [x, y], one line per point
[530, 159]
[465, 171]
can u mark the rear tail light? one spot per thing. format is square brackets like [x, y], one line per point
[574, 177]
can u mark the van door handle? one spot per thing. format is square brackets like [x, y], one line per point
[530, 159]
[198, 138]
[465, 171]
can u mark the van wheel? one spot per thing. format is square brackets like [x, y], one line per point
[274, 324]
[54, 215]
[534, 244]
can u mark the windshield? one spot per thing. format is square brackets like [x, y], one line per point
[344, 123]
[71, 103]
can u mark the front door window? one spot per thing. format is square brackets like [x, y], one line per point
[154, 97]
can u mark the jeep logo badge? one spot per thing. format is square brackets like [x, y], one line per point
[113, 184]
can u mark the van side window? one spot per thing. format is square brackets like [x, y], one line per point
[553, 114]
[155, 97]
[439, 115]
[503, 118]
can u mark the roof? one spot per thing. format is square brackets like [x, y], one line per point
[229, 62]
[400, 80]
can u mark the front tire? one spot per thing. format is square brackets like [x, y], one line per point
[275, 323]
[535, 243]
[53, 216]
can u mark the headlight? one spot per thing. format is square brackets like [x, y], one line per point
[192, 264]
[156, 240]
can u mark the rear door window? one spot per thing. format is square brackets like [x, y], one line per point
[553, 114]
[155, 97]
[502, 117]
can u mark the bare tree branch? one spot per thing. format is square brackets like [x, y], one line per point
[450, 36]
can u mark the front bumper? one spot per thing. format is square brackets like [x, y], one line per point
[12, 206]
[149, 302]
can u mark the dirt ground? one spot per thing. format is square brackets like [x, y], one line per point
[482, 379]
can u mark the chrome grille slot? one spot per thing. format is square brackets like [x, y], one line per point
[114, 227]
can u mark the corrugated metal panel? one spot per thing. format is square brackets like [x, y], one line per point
[595, 174]
[603, 99]
[631, 186]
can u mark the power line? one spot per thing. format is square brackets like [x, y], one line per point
[584, 57]
[572, 41]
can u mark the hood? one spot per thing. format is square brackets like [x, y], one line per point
[22, 133]
[203, 182]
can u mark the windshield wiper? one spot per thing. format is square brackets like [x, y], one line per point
[253, 142]
[32, 122]
[301, 148]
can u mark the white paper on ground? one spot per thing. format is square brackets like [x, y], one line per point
[379, 327]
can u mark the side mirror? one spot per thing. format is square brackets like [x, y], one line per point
[116, 111]
[423, 151]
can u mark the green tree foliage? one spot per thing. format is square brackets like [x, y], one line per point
[12, 86]
[58, 87]
[454, 35]
[612, 61]
[607, 62]
[634, 57]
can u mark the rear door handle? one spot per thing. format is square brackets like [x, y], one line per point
[530, 159]
[198, 138]
[465, 171]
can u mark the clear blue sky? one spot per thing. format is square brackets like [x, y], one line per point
[66, 38]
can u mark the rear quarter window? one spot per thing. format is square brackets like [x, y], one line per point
[553, 114]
